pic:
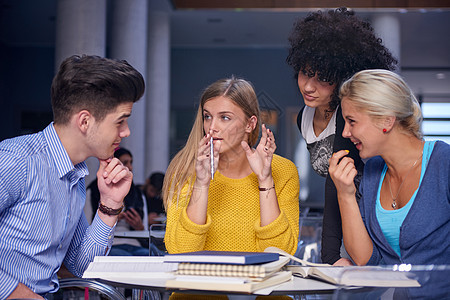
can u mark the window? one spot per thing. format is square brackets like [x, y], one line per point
[436, 121]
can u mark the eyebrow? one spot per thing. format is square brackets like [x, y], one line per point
[123, 116]
[350, 118]
[221, 112]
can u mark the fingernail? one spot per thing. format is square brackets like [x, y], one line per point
[347, 151]
[265, 148]
[269, 130]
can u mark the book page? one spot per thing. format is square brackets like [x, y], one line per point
[301, 261]
[145, 259]
[362, 276]
[377, 277]
[129, 269]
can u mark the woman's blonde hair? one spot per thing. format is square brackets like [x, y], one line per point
[181, 169]
[382, 93]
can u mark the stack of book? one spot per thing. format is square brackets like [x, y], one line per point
[229, 271]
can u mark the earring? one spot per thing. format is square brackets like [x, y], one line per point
[384, 130]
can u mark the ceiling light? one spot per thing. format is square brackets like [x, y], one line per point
[440, 76]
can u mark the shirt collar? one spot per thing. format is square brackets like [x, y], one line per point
[59, 154]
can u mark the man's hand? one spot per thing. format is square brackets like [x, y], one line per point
[114, 182]
[22, 292]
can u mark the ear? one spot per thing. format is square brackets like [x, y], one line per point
[389, 123]
[83, 120]
[251, 124]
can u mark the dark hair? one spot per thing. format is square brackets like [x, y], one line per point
[335, 45]
[156, 179]
[121, 151]
[93, 83]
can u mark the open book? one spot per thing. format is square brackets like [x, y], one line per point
[292, 257]
[367, 276]
[227, 284]
[356, 276]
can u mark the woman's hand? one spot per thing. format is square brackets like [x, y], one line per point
[356, 239]
[133, 218]
[343, 172]
[203, 163]
[260, 159]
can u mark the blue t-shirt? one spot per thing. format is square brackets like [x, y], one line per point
[391, 220]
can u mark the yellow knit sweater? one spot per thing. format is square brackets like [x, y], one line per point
[233, 216]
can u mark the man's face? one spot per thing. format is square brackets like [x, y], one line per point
[105, 136]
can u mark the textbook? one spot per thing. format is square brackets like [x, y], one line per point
[222, 257]
[129, 267]
[294, 258]
[356, 276]
[254, 271]
[227, 284]
[367, 276]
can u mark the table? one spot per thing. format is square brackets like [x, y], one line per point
[434, 281]
[296, 286]
[133, 234]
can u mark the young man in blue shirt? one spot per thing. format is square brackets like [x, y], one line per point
[42, 188]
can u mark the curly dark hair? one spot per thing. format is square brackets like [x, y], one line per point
[335, 45]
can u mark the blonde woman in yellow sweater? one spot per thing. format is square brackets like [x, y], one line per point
[252, 200]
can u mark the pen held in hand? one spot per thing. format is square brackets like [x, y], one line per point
[211, 152]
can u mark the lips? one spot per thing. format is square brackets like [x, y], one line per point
[217, 139]
[116, 146]
[309, 97]
[358, 145]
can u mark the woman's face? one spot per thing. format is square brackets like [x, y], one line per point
[127, 161]
[316, 92]
[227, 122]
[361, 129]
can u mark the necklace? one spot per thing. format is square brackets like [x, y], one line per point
[394, 199]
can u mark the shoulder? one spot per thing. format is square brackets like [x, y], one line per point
[442, 149]
[299, 119]
[15, 152]
[22, 146]
[283, 165]
[440, 159]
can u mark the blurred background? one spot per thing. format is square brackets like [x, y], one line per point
[182, 46]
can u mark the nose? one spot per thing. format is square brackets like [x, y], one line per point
[346, 132]
[309, 84]
[125, 130]
[213, 125]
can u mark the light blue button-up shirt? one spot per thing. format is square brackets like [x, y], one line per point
[42, 224]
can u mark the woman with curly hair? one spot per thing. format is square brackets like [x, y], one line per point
[327, 48]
